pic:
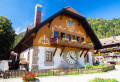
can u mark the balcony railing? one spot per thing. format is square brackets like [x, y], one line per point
[68, 43]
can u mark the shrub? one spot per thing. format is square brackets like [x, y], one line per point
[73, 41]
[83, 43]
[88, 66]
[103, 80]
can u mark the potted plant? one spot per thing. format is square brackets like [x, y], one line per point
[30, 78]
[83, 43]
[65, 39]
[91, 44]
[53, 40]
[73, 41]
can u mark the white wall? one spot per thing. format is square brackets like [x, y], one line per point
[25, 53]
[42, 56]
[59, 61]
[81, 59]
[90, 57]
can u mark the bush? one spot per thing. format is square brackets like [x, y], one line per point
[103, 80]
[102, 65]
[88, 66]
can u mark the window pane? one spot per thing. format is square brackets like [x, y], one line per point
[63, 35]
[82, 39]
[70, 23]
[50, 59]
[55, 34]
[46, 57]
[72, 37]
[78, 39]
[68, 36]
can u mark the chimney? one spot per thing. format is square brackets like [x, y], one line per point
[37, 20]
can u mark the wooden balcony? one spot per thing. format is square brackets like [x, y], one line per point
[60, 42]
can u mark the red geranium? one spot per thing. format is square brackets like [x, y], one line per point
[29, 77]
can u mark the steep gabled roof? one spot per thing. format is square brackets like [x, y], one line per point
[70, 11]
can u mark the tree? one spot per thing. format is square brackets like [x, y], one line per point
[7, 35]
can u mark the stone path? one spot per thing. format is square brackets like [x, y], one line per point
[75, 78]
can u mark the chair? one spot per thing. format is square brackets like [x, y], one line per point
[24, 63]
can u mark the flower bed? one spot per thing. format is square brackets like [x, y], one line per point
[103, 80]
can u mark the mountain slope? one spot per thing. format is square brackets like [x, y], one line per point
[105, 28]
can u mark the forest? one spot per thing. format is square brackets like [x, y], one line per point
[105, 28]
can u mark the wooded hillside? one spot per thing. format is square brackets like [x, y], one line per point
[105, 28]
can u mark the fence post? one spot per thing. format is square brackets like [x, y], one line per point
[53, 72]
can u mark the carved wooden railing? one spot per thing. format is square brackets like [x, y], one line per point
[59, 42]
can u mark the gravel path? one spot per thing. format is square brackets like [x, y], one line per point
[75, 78]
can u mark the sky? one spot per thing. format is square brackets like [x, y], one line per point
[21, 12]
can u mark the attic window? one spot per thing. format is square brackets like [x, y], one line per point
[70, 23]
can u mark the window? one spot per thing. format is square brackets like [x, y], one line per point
[68, 36]
[48, 56]
[72, 37]
[63, 35]
[82, 39]
[78, 39]
[70, 23]
[55, 34]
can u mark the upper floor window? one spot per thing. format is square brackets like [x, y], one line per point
[48, 56]
[82, 39]
[63, 35]
[72, 37]
[55, 34]
[70, 23]
[68, 36]
[78, 39]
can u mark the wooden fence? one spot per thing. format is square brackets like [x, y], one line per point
[54, 72]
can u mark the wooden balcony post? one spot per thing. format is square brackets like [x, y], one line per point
[81, 53]
[55, 51]
[86, 53]
[62, 51]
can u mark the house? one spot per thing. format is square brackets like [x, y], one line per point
[111, 49]
[63, 40]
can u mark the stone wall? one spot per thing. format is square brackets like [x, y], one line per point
[35, 58]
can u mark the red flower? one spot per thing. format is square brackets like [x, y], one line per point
[26, 80]
[23, 78]
[27, 74]
[33, 76]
